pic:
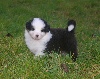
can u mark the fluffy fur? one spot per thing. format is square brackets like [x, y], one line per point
[40, 38]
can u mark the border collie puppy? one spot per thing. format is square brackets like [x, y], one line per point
[40, 38]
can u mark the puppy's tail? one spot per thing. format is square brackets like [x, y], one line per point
[71, 26]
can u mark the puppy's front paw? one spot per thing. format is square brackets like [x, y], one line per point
[39, 54]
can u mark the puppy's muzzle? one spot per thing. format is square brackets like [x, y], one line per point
[37, 36]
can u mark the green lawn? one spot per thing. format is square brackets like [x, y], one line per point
[17, 62]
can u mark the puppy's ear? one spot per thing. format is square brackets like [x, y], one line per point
[47, 26]
[28, 25]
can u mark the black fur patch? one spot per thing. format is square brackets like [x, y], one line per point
[63, 40]
[47, 26]
[29, 26]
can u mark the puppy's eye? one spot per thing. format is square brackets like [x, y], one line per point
[43, 30]
[33, 29]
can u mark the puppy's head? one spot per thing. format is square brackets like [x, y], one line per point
[37, 28]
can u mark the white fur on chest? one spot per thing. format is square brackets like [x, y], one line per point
[37, 46]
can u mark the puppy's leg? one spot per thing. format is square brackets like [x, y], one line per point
[74, 55]
[39, 53]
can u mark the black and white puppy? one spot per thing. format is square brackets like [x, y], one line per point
[40, 38]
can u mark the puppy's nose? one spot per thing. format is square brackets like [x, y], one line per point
[37, 35]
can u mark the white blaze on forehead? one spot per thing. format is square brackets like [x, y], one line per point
[38, 23]
[70, 27]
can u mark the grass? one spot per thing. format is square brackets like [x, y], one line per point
[17, 62]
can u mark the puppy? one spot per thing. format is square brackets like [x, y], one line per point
[40, 38]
